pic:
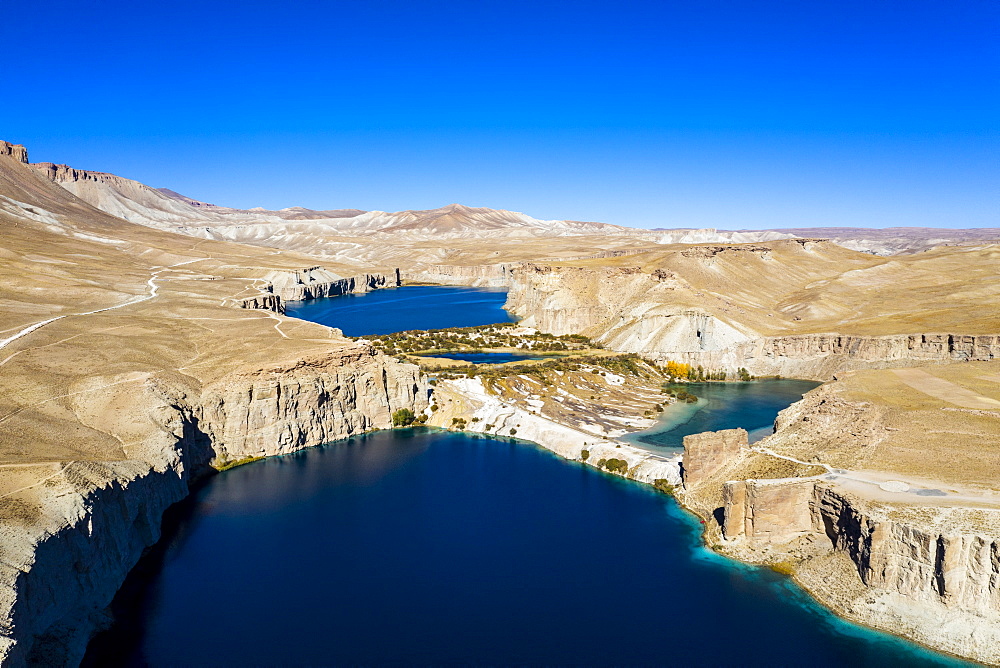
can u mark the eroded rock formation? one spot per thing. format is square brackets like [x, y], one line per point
[904, 561]
[15, 151]
[706, 453]
[482, 275]
[317, 282]
[67, 553]
[655, 313]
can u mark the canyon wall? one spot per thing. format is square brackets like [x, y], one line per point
[317, 282]
[15, 151]
[263, 301]
[71, 541]
[484, 276]
[634, 311]
[928, 572]
[706, 453]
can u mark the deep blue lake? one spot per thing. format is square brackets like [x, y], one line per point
[417, 547]
[752, 406]
[420, 547]
[406, 308]
[492, 358]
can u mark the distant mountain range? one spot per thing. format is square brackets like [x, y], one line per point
[166, 209]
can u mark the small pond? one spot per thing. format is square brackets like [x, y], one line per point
[491, 358]
[752, 406]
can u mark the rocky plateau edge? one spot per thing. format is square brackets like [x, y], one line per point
[930, 574]
[73, 538]
[663, 331]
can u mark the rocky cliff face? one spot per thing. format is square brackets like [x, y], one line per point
[919, 573]
[925, 562]
[486, 275]
[15, 151]
[72, 542]
[263, 302]
[317, 282]
[767, 510]
[636, 311]
[928, 571]
[706, 453]
[287, 407]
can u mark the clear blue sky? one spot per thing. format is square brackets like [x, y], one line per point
[669, 114]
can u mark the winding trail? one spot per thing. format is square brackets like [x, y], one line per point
[153, 292]
[887, 486]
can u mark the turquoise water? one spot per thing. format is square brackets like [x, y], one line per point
[406, 308]
[418, 547]
[752, 406]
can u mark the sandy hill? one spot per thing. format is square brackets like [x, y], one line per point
[898, 240]
[162, 207]
[86, 295]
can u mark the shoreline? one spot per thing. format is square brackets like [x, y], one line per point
[555, 441]
[813, 594]
[698, 524]
[643, 467]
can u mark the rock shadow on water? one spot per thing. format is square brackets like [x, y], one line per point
[424, 547]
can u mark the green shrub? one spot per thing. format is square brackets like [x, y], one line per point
[616, 465]
[226, 464]
[513, 431]
[404, 417]
[663, 485]
[434, 408]
[584, 455]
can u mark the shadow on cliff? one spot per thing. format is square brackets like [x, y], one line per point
[119, 643]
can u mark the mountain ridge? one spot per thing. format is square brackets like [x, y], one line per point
[312, 231]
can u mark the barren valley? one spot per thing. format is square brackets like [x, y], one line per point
[144, 345]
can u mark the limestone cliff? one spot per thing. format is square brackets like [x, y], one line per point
[660, 315]
[919, 559]
[927, 573]
[706, 453]
[262, 301]
[15, 151]
[285, 407]
[70, 543]
[317, 282]
[485, 275]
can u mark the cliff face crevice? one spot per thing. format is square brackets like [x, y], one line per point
[15, 151]
[76, 537]
[923, 563]
[930, 572]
